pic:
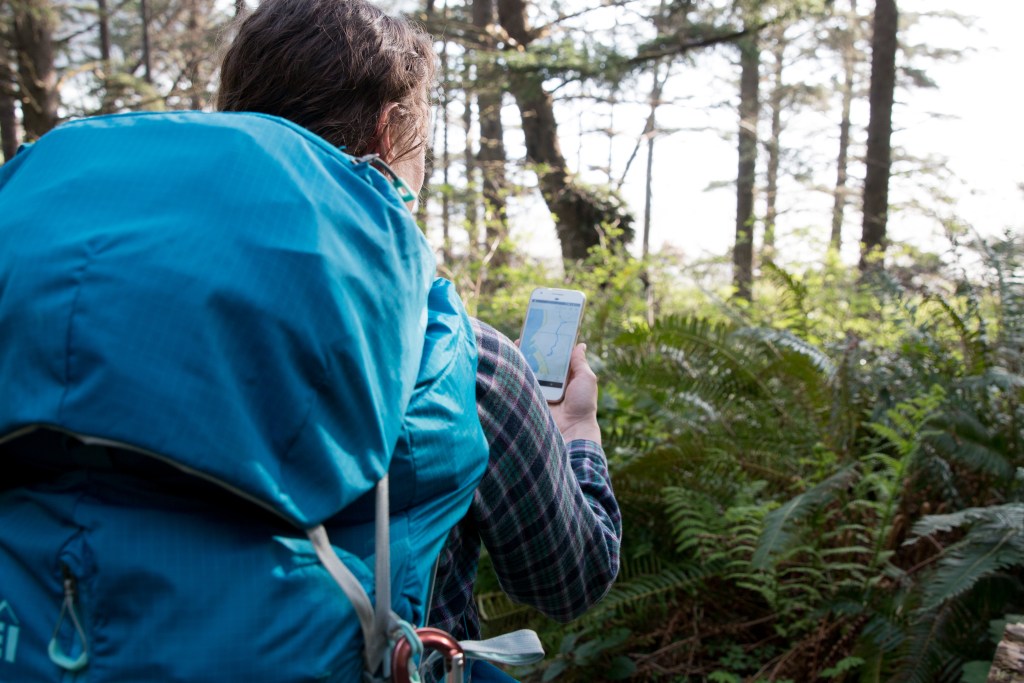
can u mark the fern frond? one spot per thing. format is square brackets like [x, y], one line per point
[926, 657]
[1009, 515]
[496, 605]
[791, 297]
[785, 341]
[885, 632]
[778, 532]
[975, 350]
[962, 566]
[687, 354]
[994, 541]
[637, 591]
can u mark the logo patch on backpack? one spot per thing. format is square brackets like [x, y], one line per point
[9, 629]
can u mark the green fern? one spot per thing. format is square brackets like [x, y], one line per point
[636, 593]
[697, 523]
[791, 297]
[994, 541]
[780, 526]
[973, 342]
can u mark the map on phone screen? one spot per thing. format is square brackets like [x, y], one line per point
[548, 336]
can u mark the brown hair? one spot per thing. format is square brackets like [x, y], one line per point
[332, 66]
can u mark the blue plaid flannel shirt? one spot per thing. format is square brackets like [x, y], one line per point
[544, 510]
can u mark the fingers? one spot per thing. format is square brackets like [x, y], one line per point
[576, 415]
[578, 362]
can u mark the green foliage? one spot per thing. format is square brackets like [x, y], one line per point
[842, 666]
[994, 542]
[588, 651]
[822, 486]
[610, 277]
[779, 525]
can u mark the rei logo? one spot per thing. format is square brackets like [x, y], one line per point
[9, 629]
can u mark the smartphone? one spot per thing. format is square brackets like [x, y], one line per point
[549, 335]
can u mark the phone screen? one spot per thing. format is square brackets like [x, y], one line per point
[549, 335]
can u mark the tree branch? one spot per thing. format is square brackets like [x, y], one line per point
[675, 49]
[572, 15]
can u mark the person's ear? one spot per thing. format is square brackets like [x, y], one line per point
[382, 142]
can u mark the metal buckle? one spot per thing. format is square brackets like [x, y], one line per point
[432, 639]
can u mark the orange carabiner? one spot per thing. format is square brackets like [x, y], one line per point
[432, 639]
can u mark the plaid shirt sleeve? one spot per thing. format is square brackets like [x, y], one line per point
[545, 511]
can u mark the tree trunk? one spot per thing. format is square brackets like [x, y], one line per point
[446, 162]
[1008, 665]
[147, 62]
[108, 99]
[8, 122]
[849, 57]
[650, 132]
[580, 214]
[879, 150]
[491, 156]
[743, 251]
[472, 196]
[422, 208]
[34, 22]
[772, 183]
[193, 57]
[103, 19]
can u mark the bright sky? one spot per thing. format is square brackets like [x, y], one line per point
[979, 139]
[985, 143]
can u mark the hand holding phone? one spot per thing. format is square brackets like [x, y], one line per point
[550, 330]
[576, 415]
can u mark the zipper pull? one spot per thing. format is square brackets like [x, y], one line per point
[57, 656]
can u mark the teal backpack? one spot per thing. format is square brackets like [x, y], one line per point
[222, 346]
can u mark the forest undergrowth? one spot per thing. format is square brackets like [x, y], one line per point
[825, 484]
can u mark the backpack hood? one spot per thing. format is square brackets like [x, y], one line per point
[225, 292]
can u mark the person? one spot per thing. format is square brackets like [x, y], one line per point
[545, 509]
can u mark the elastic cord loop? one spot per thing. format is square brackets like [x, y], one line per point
[406, 630]
[57, 656]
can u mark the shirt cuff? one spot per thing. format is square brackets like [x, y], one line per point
[585, 447]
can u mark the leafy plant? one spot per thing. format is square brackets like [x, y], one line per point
[821, 487]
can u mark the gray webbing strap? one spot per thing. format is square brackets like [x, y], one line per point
[516, 648]
[375, 622]
[384, 620]
[344, 578]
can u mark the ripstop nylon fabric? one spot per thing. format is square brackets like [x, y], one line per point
[243, 304]
[228, 267]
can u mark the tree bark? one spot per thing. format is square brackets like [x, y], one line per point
[471, 202]
[849, 58]
[34, 22]
[103, 19]
[193, 56]
[422, 209]
[491, 157]
[8, 122]
[772, 182]
[446, 194]
[650, 132]
[1008, 665]
[743, 251]
[147, 62]
[879, 148]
